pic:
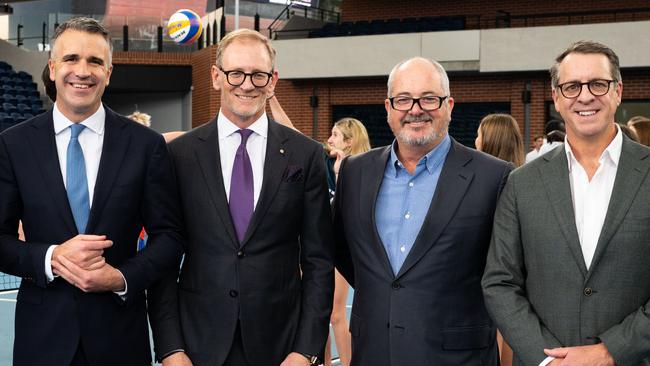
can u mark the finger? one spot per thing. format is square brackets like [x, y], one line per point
[96, 265]
[89, 237]
[59, 267]
[556, 352]
[96, 244]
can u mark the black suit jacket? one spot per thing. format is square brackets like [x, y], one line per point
[135, 187]
[258, 283]
[432, 311]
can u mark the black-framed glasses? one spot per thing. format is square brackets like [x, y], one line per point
[427, 103]
[259, 79]
[597, 87]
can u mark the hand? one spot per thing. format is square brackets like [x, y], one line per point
[84, 250]
[106, 278]
[295, 359]
[594, 355]
[339, 155]
[556, 362]
[177, 359]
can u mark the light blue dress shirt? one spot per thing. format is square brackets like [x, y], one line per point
[404, 200]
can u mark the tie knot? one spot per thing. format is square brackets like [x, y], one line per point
[245, 134]
[76, 129]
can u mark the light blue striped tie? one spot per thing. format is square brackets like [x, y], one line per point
[77, 183]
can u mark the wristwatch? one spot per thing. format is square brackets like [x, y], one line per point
[313, 360]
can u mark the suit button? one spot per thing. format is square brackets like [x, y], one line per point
[395, 285]
[588, 291]
[240, 254]
[233, 293]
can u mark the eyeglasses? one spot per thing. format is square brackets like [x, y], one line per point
[597, 87]
[259, 79]
[428, 103]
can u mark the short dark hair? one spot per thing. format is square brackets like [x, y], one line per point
[84, 24]
[587, 47]
[554, 125]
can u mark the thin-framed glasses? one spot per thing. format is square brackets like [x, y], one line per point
[597, 87]
[259, 79]
[428, 103]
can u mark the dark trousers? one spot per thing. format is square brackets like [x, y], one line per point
[79, 358]
[236, 356]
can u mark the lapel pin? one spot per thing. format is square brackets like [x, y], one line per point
[282, 151]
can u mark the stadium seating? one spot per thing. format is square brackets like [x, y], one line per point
[19, 96]
[394, 25]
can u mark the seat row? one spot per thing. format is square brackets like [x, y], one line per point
[395, 25]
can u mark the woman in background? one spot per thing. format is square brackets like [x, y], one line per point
[349, 137]
[499, 136]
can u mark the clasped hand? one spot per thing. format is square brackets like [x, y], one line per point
[80, 261]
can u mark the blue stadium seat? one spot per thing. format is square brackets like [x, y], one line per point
[409, 25]
[25, 76]
[3, 115]
[361, 28]
[345, 29]
[393, 25]
[20, 98]
[9, 107]
[8, 98]
[5, 66]
[18, 117]
[37, 102]
[34, 94]
[22, 107]
[7, 88]
[37, 109]
[378, 26]
[27, 115]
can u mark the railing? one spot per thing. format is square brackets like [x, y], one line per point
[323, 15]
[504, 19]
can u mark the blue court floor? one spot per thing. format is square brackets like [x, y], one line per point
[8, 307]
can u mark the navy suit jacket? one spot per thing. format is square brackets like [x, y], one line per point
[135, 188]
[277, 284]
[432, 311]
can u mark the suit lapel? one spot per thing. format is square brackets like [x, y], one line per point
[116, 143]
[632, 169]
[47, 158]
[371, 177]
[555, 178]
[207, 155]
[275, 163]
[453, 182]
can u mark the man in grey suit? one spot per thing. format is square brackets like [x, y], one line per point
[413, 222]
[567, 279]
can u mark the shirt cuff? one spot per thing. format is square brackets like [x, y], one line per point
[171, 353]
[547, 360]
[48, 264]
[122, 293]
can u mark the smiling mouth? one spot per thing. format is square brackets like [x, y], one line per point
[586, 113]
[81, 86]
[246, 97]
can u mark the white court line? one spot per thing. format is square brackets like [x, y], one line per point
[8, 292]
[8, 300]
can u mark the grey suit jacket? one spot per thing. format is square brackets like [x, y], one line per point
[536, 284]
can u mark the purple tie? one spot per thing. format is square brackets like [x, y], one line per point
[241, 188]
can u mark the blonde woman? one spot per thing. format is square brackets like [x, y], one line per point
[499, 136]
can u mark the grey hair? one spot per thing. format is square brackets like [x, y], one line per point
[444, 79]
[84, 24]
[587, 47]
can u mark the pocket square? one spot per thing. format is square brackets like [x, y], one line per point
[293, 173]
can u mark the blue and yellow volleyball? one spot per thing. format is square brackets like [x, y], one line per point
[184, 26]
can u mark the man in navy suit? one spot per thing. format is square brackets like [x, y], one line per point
[412, 225]
[257, 280]
[84, 181]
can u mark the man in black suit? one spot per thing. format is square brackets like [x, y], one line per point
[84, 181]
[412, 225]
[256, 283]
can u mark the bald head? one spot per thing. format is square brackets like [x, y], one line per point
[422, 66]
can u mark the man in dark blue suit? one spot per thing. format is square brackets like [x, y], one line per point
[412, 225]
[84, 181]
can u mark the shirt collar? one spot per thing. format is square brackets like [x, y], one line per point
[95, 122]
[611, 152]
[432, 159]
[225, 127]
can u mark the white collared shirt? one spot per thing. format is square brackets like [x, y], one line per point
[591, 198]
[91, 140]
[229, 141]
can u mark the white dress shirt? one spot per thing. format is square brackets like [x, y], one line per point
[91, 140]
[229, 141]
[591, 198]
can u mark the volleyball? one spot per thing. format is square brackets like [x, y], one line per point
[184, 26]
